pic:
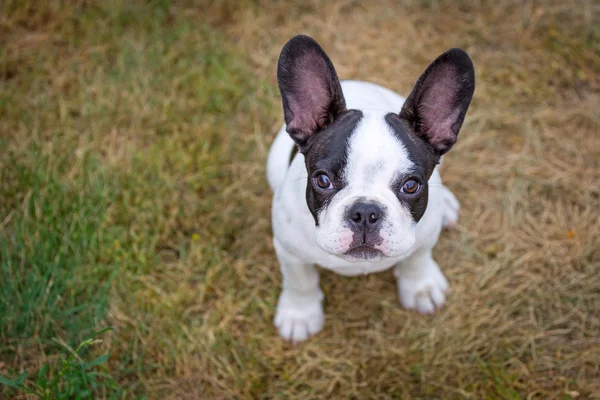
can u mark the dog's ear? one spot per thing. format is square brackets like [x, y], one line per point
[309, 86]
[437, 105]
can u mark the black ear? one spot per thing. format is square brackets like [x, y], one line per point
[437, 105]
[310, 89]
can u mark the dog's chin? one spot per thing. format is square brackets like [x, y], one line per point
[363, 253]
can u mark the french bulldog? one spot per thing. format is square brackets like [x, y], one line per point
[354, 171]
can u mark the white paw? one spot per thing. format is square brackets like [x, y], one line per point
[299, 317]
[425, 292]
[451, 208]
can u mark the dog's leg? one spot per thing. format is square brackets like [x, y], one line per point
[299, 312]
[451, 208]
[421, 284]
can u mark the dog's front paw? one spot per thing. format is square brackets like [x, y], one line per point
[299, 317]
[451, 209]
[424, 292]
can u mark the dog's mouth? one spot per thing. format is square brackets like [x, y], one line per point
[364, 253]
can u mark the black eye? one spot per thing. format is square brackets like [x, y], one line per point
[323, 181]
[411, 186]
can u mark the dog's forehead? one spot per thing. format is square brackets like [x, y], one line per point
[376, 154]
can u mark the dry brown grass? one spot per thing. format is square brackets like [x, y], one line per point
[194, 317]
[524, 316]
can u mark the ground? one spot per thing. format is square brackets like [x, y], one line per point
[133, 140]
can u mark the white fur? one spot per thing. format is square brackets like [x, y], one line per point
[374, 159]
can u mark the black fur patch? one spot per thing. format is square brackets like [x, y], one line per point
[423, 156]
[327, 152]
[293, 153]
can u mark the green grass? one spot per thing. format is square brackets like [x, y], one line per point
[73, 377]
[53, 282]
[86, 215]
[49, 247]
[133, 137]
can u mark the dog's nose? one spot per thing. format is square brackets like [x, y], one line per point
[364, 214]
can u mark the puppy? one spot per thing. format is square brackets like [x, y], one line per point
[355, 177]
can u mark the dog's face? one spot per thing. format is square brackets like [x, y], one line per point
[368, 171]
[367, 185]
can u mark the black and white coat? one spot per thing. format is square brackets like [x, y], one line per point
[364, 193]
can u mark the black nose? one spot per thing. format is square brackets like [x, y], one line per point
[364, 214]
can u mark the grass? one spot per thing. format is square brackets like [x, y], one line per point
[134, 137]
[74, 378]
[49, 247]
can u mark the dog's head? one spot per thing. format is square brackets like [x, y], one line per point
[368, 170]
